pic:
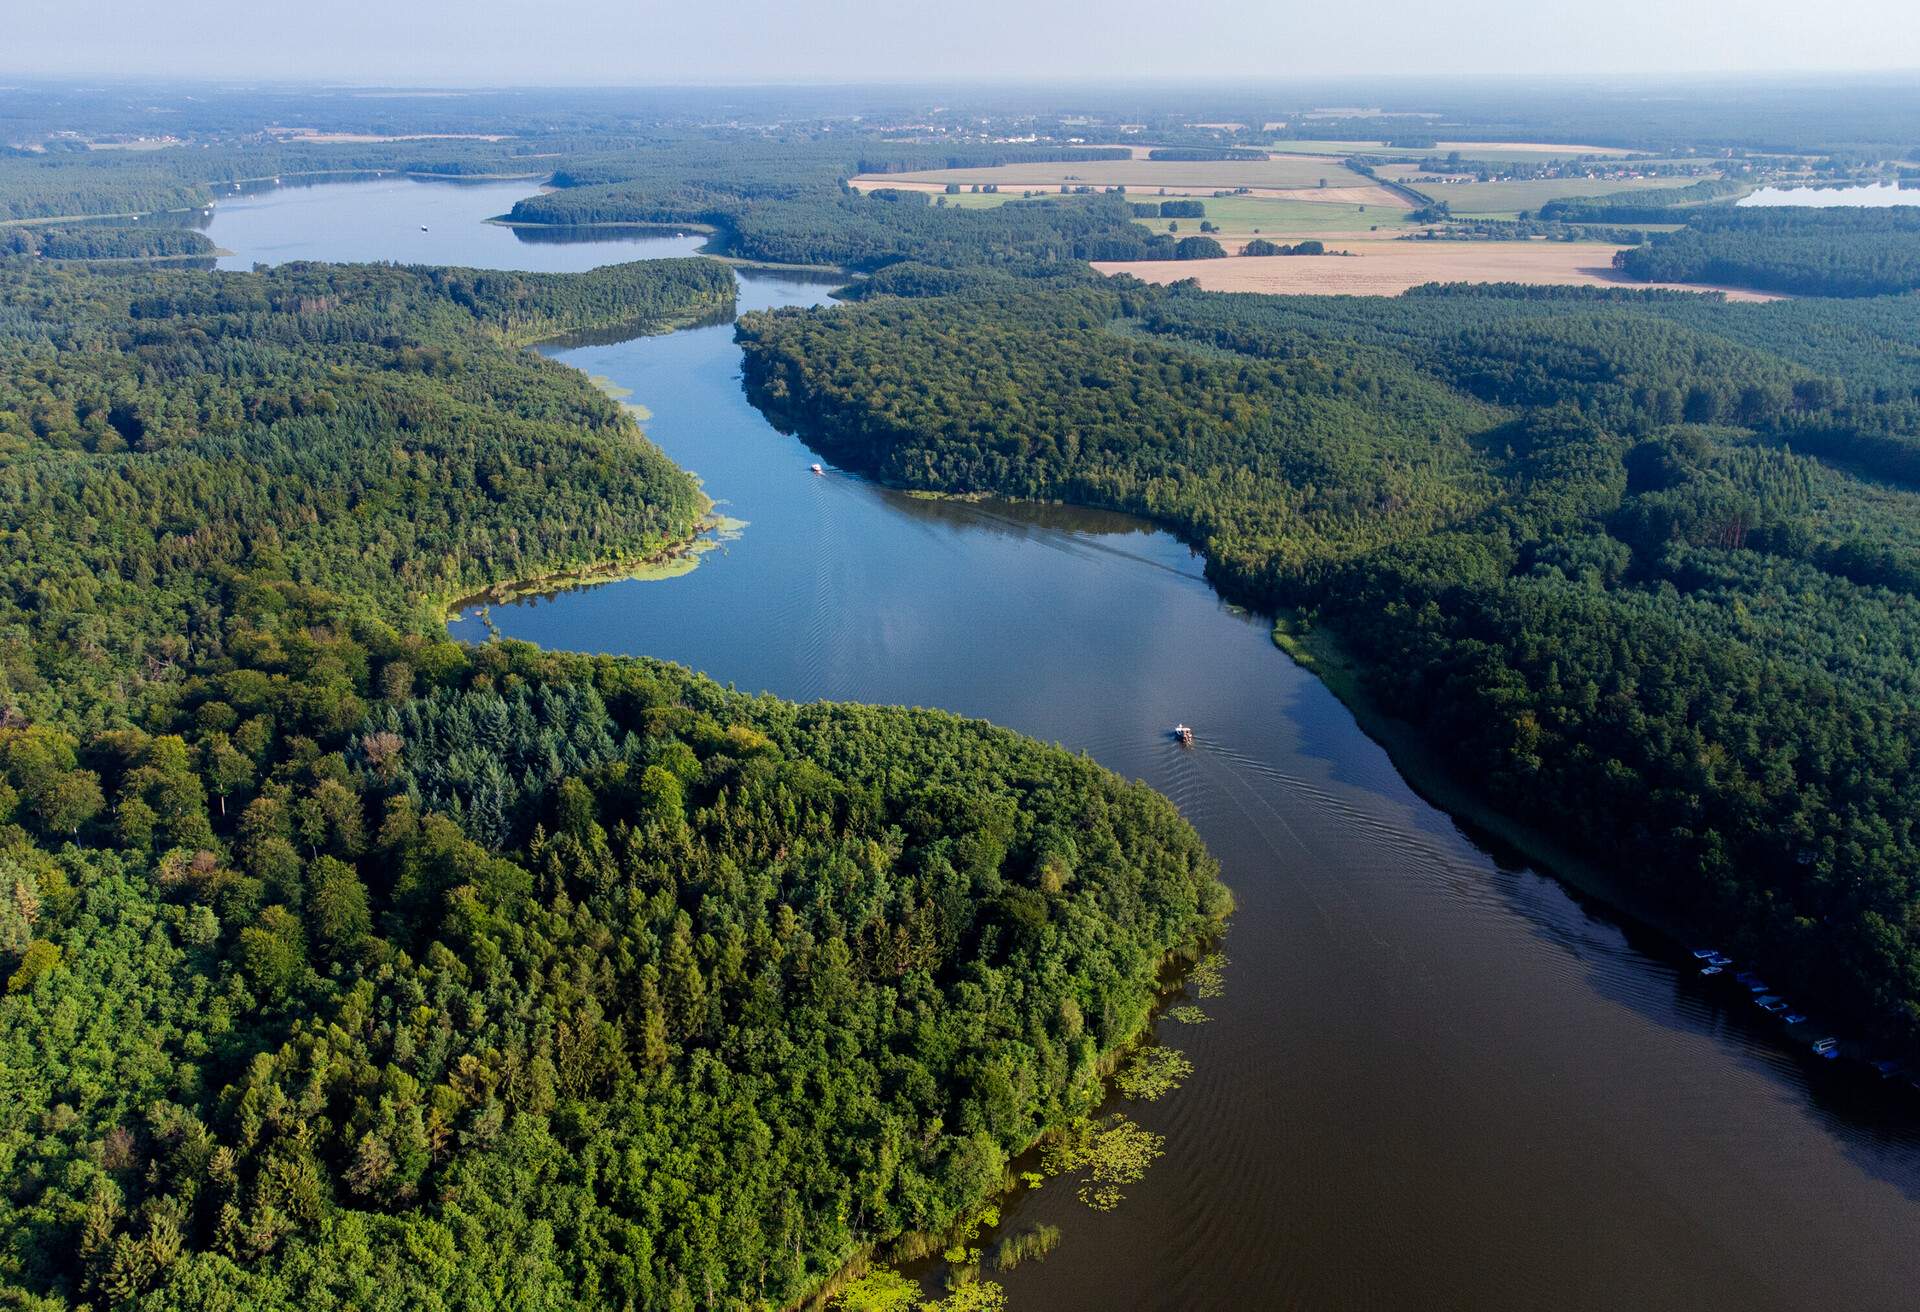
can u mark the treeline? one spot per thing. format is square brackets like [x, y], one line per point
[1642, 205]
[1839, 251]
[1202, 154]
[348, 967]
[1566, 533]
[90, 241]
[62, 184]
[1261, 246]
[1450, 228]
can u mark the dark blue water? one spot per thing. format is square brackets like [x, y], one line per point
[1437, 1079]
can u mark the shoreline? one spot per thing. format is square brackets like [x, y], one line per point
[1322, 654]
[275, 179]
[670, 561]
[645, 225]
[692, 226]
[587, 334]
[919, 1246]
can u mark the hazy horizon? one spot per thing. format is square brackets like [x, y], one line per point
[755, 42]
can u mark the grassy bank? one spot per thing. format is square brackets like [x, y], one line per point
[669, 562]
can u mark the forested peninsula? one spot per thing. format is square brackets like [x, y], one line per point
[348, 966]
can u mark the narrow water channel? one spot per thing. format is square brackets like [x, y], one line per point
[1437, 1079]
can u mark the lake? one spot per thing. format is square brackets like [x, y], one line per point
[1877, 195]
[382, 219]
[1437, 1078]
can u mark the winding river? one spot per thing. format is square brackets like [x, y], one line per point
[1437, 1078]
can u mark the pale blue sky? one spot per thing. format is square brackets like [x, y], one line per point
[615, 42]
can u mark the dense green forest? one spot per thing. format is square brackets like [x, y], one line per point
[1571, 533]
[93, 241]
[1841, 251]
[509, 979]
[350, 967]
[164, 434]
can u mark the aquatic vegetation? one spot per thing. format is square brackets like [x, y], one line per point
[1152, 1073]
[1188, 1014]
[886, 1290]
[961, 1253]
[1205, 978]
[883, 1290]
[1027, 1246]
[1110, 1152]
[970, 1296]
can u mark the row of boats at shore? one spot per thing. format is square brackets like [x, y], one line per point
[1826, 1047]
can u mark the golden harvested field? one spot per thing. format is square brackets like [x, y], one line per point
[1282, 172]
[1387, 268]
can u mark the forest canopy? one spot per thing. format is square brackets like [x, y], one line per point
[346, 966]
[1806, 251]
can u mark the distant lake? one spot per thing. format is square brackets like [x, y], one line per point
[1878, 194]
[1437, 1078]
[382, 220]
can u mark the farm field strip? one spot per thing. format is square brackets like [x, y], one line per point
[1285, 172]
[1387, 268]
[1489, 199]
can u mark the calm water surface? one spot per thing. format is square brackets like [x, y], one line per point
[1877, 195]
[381, 220]
[1437, 1078]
